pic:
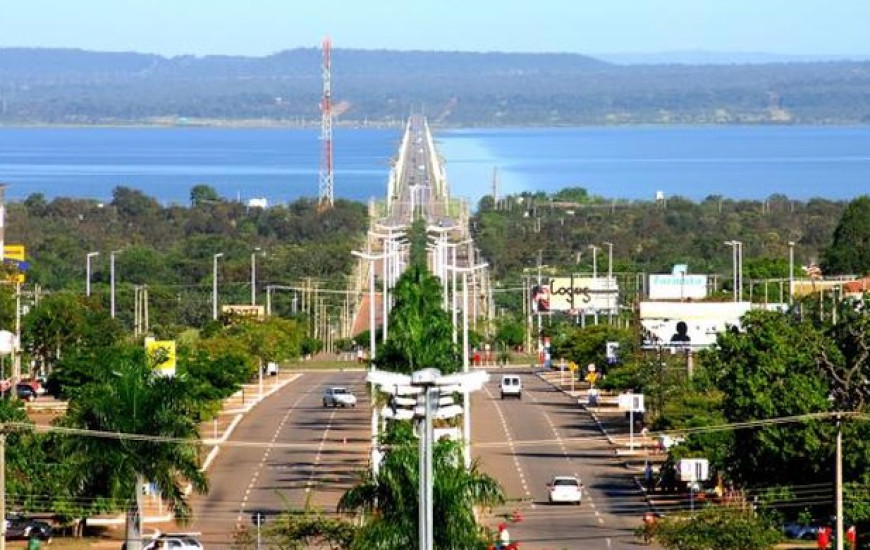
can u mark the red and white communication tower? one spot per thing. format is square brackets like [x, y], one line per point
[326, 197]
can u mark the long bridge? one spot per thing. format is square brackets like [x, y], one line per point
[418, 189]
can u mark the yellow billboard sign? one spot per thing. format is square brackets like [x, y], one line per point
[17, 254]
[14, 252]
[162, 353]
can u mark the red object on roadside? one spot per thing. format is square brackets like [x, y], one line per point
[824, 537]
[852, 535]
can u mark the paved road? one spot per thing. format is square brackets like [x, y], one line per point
[521, 442]
[257, 477]
[535, 430]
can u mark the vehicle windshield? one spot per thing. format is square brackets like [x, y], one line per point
[565, 482]
[339, 390]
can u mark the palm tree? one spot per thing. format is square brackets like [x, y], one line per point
[129, 398]
[389, 501]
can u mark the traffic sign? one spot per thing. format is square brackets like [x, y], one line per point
[14, 252]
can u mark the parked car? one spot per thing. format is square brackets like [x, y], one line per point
[565, 489]
[20, 527]
[338, 397]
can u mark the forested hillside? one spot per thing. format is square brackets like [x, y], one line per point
[453, 88]
[651, 236]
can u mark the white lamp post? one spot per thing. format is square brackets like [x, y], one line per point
[372, 349]
[609, 279]
[594, 261]
[466, 403]
[88, 269]
[254, 276]
[214, 294]
[112, 280]
[733, 245]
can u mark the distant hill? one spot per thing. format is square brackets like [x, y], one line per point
[57, 86]
[701, 57]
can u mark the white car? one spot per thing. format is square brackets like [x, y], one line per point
[565, 489]
[175, 541]
[338, 397]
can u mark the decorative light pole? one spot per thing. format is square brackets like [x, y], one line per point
[434, 401]
[88, 269]
[214, 293]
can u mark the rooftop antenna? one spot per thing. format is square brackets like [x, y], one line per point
[326, 187]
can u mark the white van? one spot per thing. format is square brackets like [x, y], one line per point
[511, 386]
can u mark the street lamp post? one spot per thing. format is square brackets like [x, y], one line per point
[790, 272]
[609, 279]
[254, 276]
[88, 269]
[434, 401]
[112, 281]
[214, 293]
[594, 261]
[737, 268]
[466, 403]
[372, 349]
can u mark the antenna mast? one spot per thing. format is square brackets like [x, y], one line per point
[326, 191]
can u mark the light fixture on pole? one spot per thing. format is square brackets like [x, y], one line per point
[214, 294]
[88, 269]
[112, 281]
[433, 401]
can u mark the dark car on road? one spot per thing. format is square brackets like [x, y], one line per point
[20, 527]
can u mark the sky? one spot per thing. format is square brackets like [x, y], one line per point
[263, 27]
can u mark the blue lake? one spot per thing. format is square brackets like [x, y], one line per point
[742, 162]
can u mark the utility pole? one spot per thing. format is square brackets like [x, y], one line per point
[3, 488]
[839, 483]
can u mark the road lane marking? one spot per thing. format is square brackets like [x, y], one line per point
[256, 473]
[511, 446]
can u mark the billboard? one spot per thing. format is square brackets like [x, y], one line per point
[257, 312]
[583, 294]
[677, 286]
[162, 353]
[689, 324]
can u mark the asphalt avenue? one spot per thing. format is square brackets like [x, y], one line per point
[289, 451]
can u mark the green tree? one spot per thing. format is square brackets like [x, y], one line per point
[421, 332]
[770, 370]
[129, 398]
[716, 528]
[389, 501]
[850, 250]
[203, 193]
